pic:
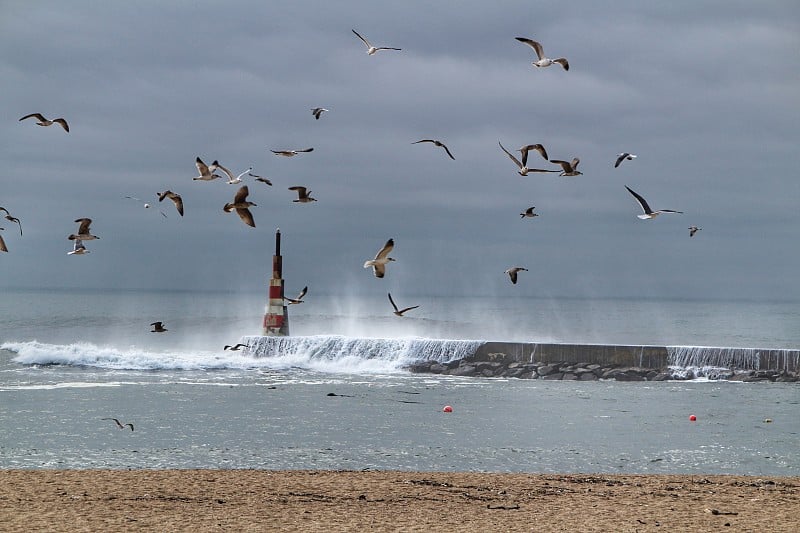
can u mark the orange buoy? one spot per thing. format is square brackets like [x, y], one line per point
[692, 418]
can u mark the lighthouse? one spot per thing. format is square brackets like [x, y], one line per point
[276, 316]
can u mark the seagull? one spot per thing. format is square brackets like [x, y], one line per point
[120, 425]
[317, 111]
[512, 273]
[206, 173]
[240, 204]
[649, 213]
[538, 147]
[78, 248]
[623, 156]
[12, 219]
[399, 312]
[176, 199]
[523, 170]
[290, 153]
[83, 230]
[381, 259]
[436, 143]
[231, 179]
[3, 247]
[569, 168]
[543, 61]
[302, 194]
[235, 347]
[372, 49]
[158, 327]
[44, 122]
[693, 230]
[529, 213]
[299, 298]
[262, 180]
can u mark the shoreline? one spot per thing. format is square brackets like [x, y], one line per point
[335, 500]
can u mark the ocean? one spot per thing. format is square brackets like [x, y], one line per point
[343, 400]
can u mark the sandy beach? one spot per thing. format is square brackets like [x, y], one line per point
[261, 500]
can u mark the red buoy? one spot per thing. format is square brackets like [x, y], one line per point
[447, 409]
[692, 418]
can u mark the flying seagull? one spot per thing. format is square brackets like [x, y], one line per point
[399, 312]
[538, 147]
[235, 347]
[649, 213]
[158, 327]
[523, 170]
[291, 153]
[372, 49]
[83, 230]
[381, 259]
[206, 173]
[570, 168]
[12, 219]
[44, 122]
[3, 247]
[318, 111]
[302, 194]
[262, 180]
[78, 248]
[543, 60]
[119, 424]
[529, 213]
[299, 298]
[240, 204]
[436, 143]
[512, 273]
[623, 156]
[176, 199]
[233, 180]
[693, 230]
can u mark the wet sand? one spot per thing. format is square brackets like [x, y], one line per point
[264, 500]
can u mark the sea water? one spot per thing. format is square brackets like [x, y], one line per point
[70, 358]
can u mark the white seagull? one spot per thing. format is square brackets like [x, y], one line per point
[372, 49]
[12, 219]
[381, 259]
[512, 273]
[318, 111]
[233, 180]
[543, 60]
[399, 312]
[436, 143]
[291, 153]
[623, 156]
[569, 168]
[303, 194]
[299, 298]
[78, 248]
[44, 122]
[206, 172]
[3, 247]
[523, 169]
[649, 213]
[83, 231]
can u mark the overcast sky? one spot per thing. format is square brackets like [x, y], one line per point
[706, 93]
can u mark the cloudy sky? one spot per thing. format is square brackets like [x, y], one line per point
[706, 93]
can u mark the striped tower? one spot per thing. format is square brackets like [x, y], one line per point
[276, 317]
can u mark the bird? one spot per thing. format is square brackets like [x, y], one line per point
[436, 143]
[119, 424]
[372, 49]
[233, 180]
[543, 60]
[176, 199]
[302, 194]
[318, 111]
[12, 219]
[291, 153]
[381, 259]
[649, 213]
[235, 347]
[44, 122]
[158, 327]
[693, 230]
[529, 213]
[78, 248]
[3, 247]
[623, 156]
[206, 172]
[240, 204]
[569, 168]
[399, 312]
[523, 170]
[525, 149]
[83, 230]
[512, 273]
[262, 180]
[299, 298]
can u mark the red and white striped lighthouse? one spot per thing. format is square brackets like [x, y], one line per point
[276, 316]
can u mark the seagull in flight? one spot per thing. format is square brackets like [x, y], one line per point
[41, 121]
[176, 199]
[543, 61]
[233, 180]
[291, 153]
[399, 312]
[381, 259]
[158, 327]
[529, 213]
[523, 169]
[262, 180]
[12, 219]
[436, 143]
[372, 49]
[206, 172]
[303, 194]
[538, 147]
[569, 168]
[649, 213]
[693, 230]
[512, 273]
[119, 424]
[3, 247]
[318, 111]
[299, 298]
[623, 156]
[78, 248]
[235, 347]
[83, 230]
[241, 205]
